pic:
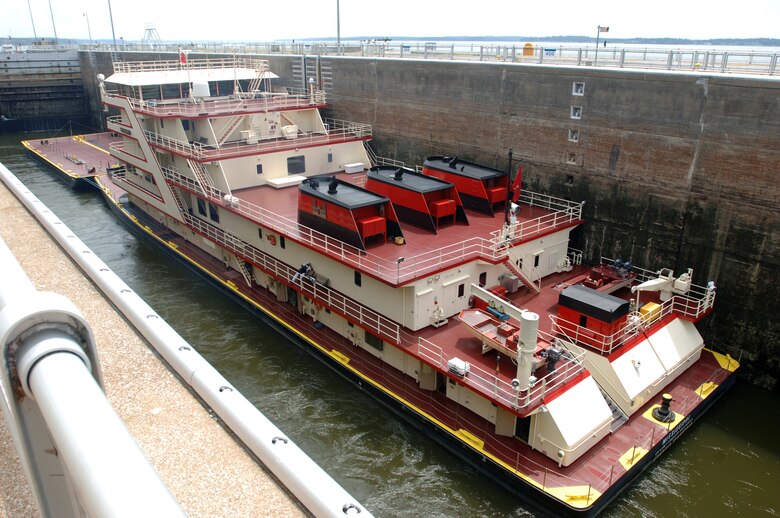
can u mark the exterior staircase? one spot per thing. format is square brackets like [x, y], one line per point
[230, 125]
[618, 416]
[246, 271]
[202, 177]
[535, 287]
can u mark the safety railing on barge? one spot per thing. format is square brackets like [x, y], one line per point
[336, 132]
[387, 270]
[229, 105]
[231, 63]
[491, 383]
[693, 306]
[563, 212]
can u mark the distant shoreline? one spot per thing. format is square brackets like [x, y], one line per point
[753, 42]
[746, 42]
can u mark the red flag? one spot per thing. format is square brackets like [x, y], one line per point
[182, 57]
[517, 184]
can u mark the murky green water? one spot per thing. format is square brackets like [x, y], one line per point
[727, 465]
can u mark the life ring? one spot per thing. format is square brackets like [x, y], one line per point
[271, 239]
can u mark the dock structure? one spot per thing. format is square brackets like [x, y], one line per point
[206, 470]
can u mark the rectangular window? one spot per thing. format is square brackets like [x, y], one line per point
[213, 213]
[296, 164]
[576, 112]
[260, 232]
[259, 168]
[571, 158]
[330, 157]
[281, 241]
[483, 279]
[461, 290]
[374, 341]
[201, 207]
[536, 261]
[574, 135]
[185, 124]
[162, 123]
[358, 279]
[578, 88]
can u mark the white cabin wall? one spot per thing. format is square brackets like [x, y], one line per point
[471, 400]
[550, 250]
[242, 172]
[171, 128]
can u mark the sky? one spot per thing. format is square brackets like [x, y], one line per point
[264, 20]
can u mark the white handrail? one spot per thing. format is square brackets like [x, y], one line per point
[54, 401]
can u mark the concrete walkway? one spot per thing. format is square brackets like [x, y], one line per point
[200, 462]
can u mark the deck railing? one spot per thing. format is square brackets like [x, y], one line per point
[491, 383]
[230, 105]
[693, 306]
[337, 132]
[385, 269]
[563, 212]
[129, 67]
[371, 320]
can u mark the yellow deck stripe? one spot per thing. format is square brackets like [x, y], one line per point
[725, 361]
[84, 141]
[630, 458]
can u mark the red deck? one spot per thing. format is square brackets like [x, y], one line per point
[596, 471]
[419, 242]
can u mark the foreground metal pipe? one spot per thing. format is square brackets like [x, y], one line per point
[76, 452]
[108, 471]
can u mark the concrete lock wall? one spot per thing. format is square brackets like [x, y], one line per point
[677, 169]
[41, 91]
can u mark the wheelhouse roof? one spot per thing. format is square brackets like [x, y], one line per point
[167, 77]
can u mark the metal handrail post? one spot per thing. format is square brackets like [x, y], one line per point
[53, 401]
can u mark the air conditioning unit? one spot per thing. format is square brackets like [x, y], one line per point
[231, 200]
[458, 366]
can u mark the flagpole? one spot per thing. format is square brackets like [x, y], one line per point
[599, 30]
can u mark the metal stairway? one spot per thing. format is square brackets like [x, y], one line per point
[246, 271]
[231, 124]
[535, 287]
[202, 178]
[618, 416]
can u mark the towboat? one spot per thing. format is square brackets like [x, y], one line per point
[447, 291]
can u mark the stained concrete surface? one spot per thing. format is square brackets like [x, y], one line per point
[206, 470]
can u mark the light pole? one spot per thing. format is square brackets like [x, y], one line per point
[338, 28]
[398, 268]
[89, 30]
[110, 14]
[599, 30]
[52, 24]
[32, 20]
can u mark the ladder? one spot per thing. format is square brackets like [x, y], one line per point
[231, 124]
[535, 287]
[202, 178]
[619, 418]
[246, 271]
